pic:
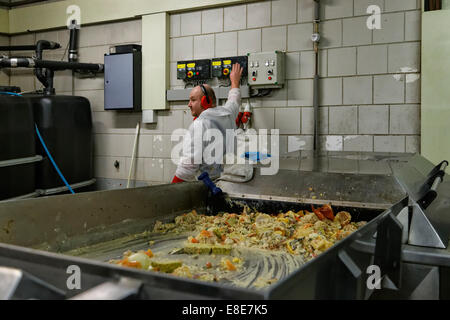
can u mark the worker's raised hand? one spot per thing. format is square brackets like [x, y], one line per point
[235, 75]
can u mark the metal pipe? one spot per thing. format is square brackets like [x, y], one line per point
[16, 162]
[73, 42]
[61, 65]
[53, 65]
[45, 76]
[316, 39]
[18, 48]
[49, 88]
[73, 48]
[41, 45]
[46, 192]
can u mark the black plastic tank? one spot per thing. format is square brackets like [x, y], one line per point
[65, 124]
[16, 141]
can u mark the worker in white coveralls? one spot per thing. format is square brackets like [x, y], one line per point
[209, 130]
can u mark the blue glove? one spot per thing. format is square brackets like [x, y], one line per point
[207, 181]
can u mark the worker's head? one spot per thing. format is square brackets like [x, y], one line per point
[198, 101]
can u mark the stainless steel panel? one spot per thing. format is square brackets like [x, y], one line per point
[435, 218]
[66, 221]
[340, 189]
[112, 290]
[71, 221]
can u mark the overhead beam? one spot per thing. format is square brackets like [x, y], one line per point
[54, 14]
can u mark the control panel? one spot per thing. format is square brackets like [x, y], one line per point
[221, 67]
[194, 70]
[266, 69]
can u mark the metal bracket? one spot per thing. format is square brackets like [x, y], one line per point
[120, 290]
[404, 218]
[422, 232]
[17, 284]
[388, 250]
[349, 263]
[348, 277]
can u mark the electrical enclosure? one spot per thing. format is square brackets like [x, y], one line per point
[266, 69]
[194, 70]
[123, 81]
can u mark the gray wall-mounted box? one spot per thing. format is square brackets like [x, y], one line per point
[123, 81]
[266, 69]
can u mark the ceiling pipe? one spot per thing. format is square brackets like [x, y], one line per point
[73, 42]
[18, 48]
[46, 76]
[48, 64]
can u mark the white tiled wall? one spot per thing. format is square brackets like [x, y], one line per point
[370, 79]
[369, 87]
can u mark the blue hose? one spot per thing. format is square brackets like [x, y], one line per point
[45, 147]
[10, 93]
[51, 159]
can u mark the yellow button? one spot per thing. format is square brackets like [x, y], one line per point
[226, 71]
[190, 74]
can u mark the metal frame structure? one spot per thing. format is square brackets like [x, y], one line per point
[36, 230]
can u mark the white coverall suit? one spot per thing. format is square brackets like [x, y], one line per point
[220, 118]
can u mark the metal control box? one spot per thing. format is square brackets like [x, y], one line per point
[123, 81]
[266, 69]
[194, 70]
[221, 67]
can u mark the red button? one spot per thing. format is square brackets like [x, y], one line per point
[196, 73]
[254, 79]
[270, 78]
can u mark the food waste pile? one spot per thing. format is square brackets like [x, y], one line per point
[237, 248]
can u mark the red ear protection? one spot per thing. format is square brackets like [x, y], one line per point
[206, 100]
[205, 103]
